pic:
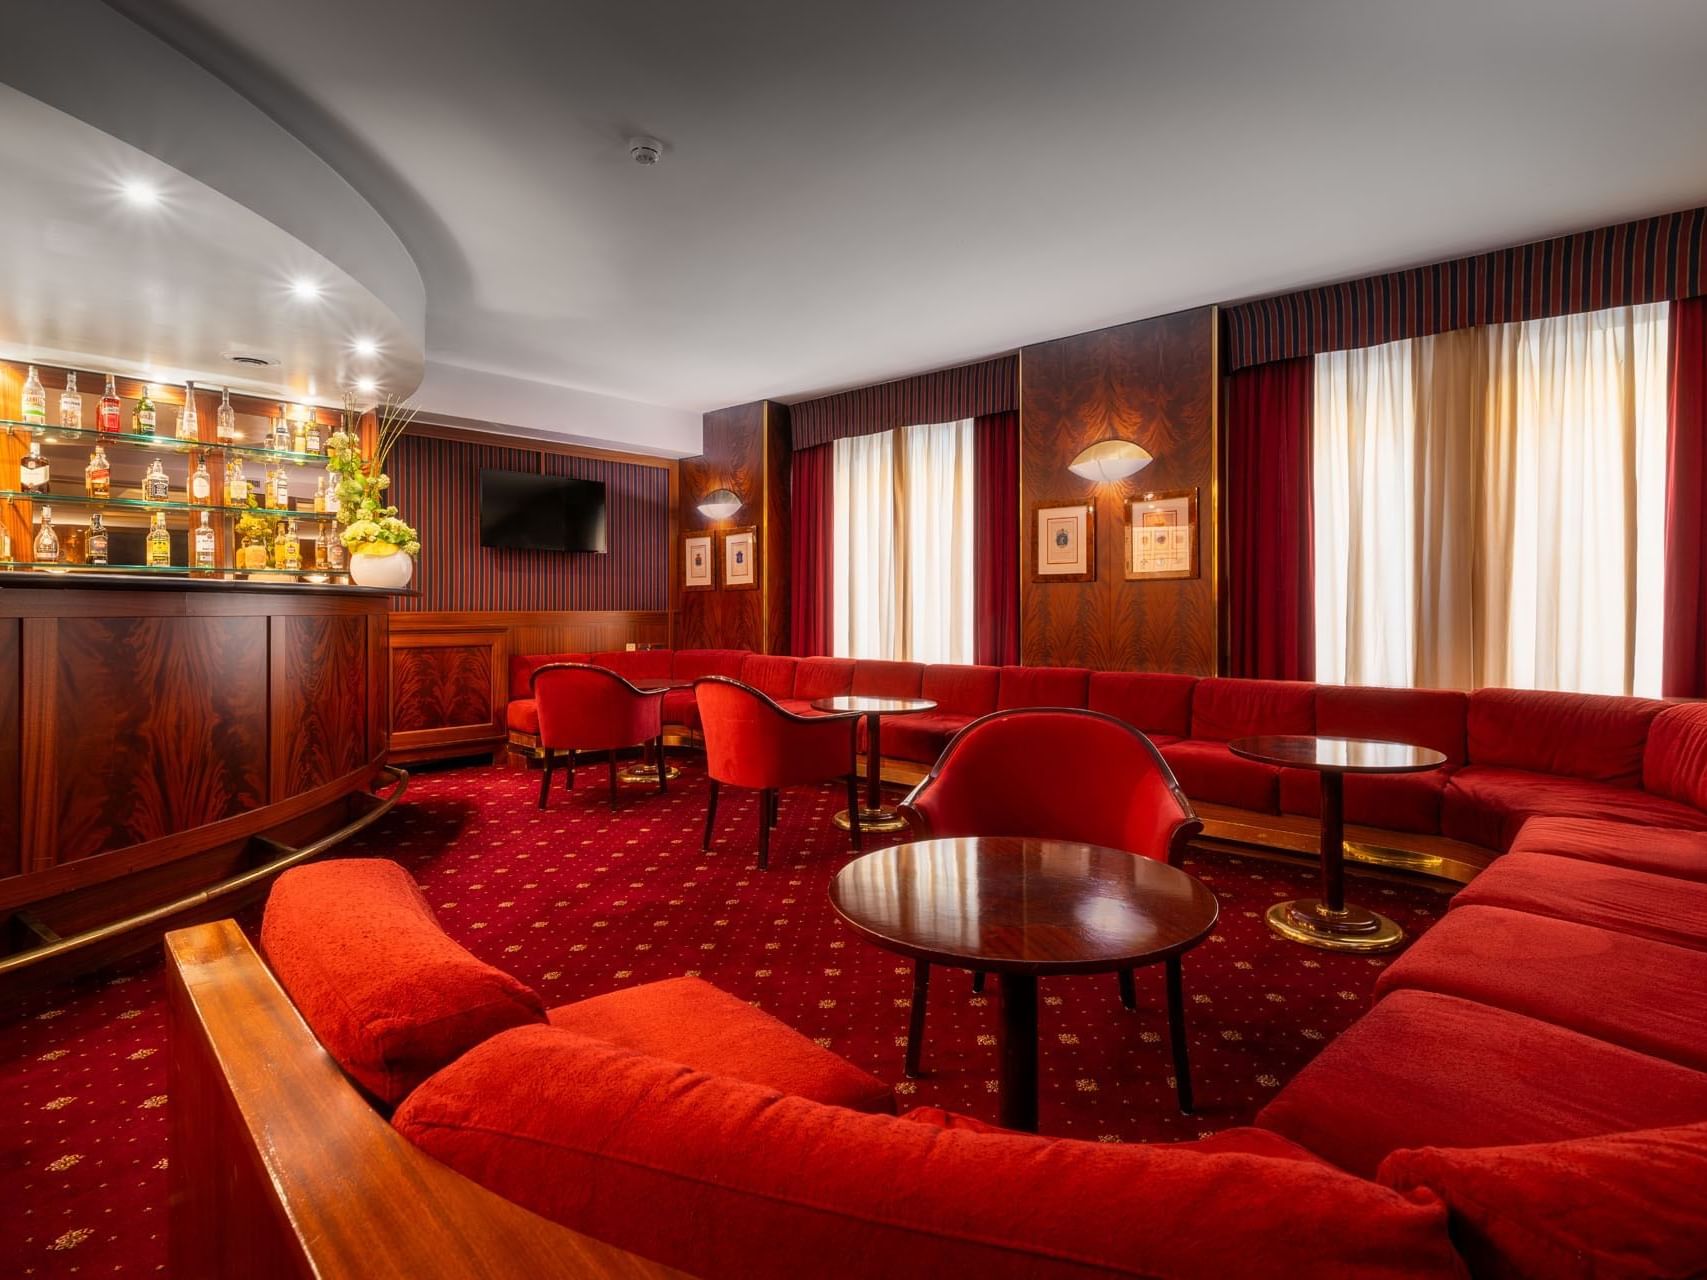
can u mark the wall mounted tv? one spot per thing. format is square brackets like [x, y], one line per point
[541, 513]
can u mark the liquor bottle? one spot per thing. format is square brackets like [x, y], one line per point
[299, 436]
[320, 494]
[35, 400]
[189, 425]
[204, 544]
[278, 488]
[159, 547]
[330, 505]
[225, 420]
[6, 550]
[47, 541]
[281, 430]
[334, 552]
[71, 405]
[33, 470]
[98, 475]
[97, 539]
[289, 553]
[236, 484]
[201, 483]
[142, 418]
[311, 442]
[108, 417]
[155, 486]
[320, 551]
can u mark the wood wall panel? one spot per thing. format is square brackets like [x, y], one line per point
[442, 686]
[11, 712]
[779, 460]
[320, 701]
[1154, 382]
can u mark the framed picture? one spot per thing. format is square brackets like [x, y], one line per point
[697, 566]
[1064, 535]
[1161, 535]
[741, 559]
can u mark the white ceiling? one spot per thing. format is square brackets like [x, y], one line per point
[860, 190]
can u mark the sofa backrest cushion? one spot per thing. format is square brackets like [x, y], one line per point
[878, 678]
[728, 1179]
[1151, 702]
[1222, 710]
[1624, 1204]
[385, 990]
[523, 665]
[1043, 687]
[823, 677]
[636, 664]
[771, 674]
[1424, 717]
[961, 690]
[1674, 764]
[1577, 735]
[691, 664]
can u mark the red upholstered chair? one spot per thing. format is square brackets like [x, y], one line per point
[1056, 773]
[586, 708]
[751, 741]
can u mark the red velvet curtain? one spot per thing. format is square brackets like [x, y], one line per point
[996, 547]
[1684, 674]
[1271, 582]
[812, 551]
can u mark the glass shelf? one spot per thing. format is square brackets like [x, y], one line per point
[160, 444]
[153, 504]
[166, 570]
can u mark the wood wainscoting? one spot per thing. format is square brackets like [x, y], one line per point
[450, 671]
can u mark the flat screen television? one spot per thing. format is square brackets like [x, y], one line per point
[541, 513]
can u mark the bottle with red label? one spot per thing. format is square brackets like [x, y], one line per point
[111, 411]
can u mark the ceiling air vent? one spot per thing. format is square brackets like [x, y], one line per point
[250, 360]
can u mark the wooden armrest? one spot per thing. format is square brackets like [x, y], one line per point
[281, 1169]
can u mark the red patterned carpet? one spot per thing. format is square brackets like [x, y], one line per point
[579, 902]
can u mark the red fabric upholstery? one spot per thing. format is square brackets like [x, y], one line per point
[1245, 1140]
[636, 664]
[726, 1179]
[1661, 850]
[691, 664]
[921, 738]
[968, 692]
[523, 665]
[822, 677]
[1675, 762]
[1643, 995]
[1422, 1069]
[1150, 702]
[1212, 774]
[689, 1021]
[522, 716]
[1065, 775]
[1400, 802]
[1626, 1206]
[585, 708]
[1222, 710]
[1634, 902]
[1488, 806]
[1427, 717]
[681, 707]
[1042, 687]
[751, 742]
[880, 679]
[1578, 735]
[383, 988]
[770, 674]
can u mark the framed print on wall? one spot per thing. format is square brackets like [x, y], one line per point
[1161, 535]
[697, 570]
[741, 559]
[1064, 536]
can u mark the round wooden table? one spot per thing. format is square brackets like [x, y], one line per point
[1330, 922]
[1025, 909]
[873, 815]
[643, 772]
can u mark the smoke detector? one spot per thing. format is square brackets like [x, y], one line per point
[645, 151]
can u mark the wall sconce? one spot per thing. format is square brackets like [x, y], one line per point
[1110, 460]
[720, 504]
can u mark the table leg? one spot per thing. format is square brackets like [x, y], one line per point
[1176, 1033]
[873, 816]
[1019, 1052]
[1327, 922]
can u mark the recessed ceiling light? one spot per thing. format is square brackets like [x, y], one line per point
[305, 289]
[367, 386]
[140, 192]
[366, 347]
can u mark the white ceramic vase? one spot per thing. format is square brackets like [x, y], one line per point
[392, 570]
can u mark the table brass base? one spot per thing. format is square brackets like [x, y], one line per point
[1307, 921]
[1380, 855]
[884, 819]
[645, 773]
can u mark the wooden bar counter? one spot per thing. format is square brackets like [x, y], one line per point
[161, 735]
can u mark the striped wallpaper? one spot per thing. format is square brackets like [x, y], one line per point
[436, 487]
[1654, 260]
[968, 391]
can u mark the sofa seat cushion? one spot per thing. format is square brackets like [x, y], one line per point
[522, 716]
[1209, 773]
[1427, 1070]
[691, 664]
[1639, 903]
[1631, 991]
[689, 1021]
[1246, 1140]
[1487, 806]
[967, 691]
[681, 708]
[1578, 735]
[1223, 709]
[725, 1179]
[385, 990]
[823, 677]
[770, 674]
[1043, 687]
[919, 738]
[1661, 850]
[880, 678]
[1398, 802]
[1154, 703]
[1626, 1206]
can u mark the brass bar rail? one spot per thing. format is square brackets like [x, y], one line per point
[223, 888]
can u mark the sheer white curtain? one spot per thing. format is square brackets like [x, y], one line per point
[903, 544]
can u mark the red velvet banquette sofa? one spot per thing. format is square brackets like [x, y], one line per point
[1511, 754]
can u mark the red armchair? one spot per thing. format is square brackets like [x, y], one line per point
[751, 741]
[587, 708]
[1054, 773]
